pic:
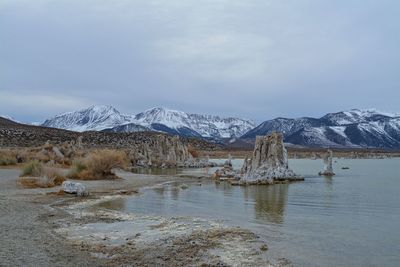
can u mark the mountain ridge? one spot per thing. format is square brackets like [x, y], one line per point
[353, 128]
[358, 128]
[107, 118]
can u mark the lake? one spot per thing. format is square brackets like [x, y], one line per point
[351, 219]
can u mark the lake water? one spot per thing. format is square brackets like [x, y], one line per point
[352, 219]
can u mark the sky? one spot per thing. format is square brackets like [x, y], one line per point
[254, 59]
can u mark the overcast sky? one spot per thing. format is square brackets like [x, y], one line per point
[253, 59]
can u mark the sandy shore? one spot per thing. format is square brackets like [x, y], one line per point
[42, 228]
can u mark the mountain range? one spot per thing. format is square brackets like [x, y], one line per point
[354, 128]
[108, 119]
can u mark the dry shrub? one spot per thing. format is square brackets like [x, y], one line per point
[33, 168]
[78, 166]
[54, 176]
[193, 151]
[7, 157]
[49, 178]
[99, 165]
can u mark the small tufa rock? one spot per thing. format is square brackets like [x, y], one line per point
[328, 170]
[75, 188]
[57, 152]
[226, 172]
[184, 186]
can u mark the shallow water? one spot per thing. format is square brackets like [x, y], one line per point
[351, 219]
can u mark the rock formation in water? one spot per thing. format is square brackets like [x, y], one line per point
[163, 151]
[268, 162]
[226, 171]
[328, 170]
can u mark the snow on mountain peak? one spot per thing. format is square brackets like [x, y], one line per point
[370, 112]
[7, 117]
[204, 125]
[92, 118]
[356, 116]
[179, 122]
[168, 117]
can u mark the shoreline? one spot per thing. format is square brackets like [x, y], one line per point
[56, 219]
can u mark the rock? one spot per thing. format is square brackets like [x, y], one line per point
[78, 142]
[227, 170]
[237, 182]
[328, 170]
[51, 163]
[268, 162]
[184, 186]
[164, 150]
[57, 152]
[228, 163]
[128, 192]
[199, 163]
[75, 188]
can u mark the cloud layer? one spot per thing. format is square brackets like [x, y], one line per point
[256, 59]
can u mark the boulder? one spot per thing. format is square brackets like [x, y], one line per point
[75, 188]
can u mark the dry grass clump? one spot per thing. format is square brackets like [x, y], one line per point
[52, 154]
[78, 166]
[193, 151]
[99, 165]
[7, 157]
[33, 168]
[35, 175]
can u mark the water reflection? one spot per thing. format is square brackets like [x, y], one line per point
[226, 188]
[174, 191]
[269, 201]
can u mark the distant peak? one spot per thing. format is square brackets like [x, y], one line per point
[368, 111]
[100, 107]
[162, 109]
[7, 117]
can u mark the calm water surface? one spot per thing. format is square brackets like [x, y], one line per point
[352, 219]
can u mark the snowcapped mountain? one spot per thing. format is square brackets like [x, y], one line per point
[176, 122]
[193, 124]
[353, 128]
[127, 128]
[93, 118]
[357, 116]
[283, 125]
[9, 118]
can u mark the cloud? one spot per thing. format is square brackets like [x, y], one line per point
[257, 59]
[37, 104]
[228, 57]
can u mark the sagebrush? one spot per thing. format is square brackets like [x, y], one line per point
[99, 164]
